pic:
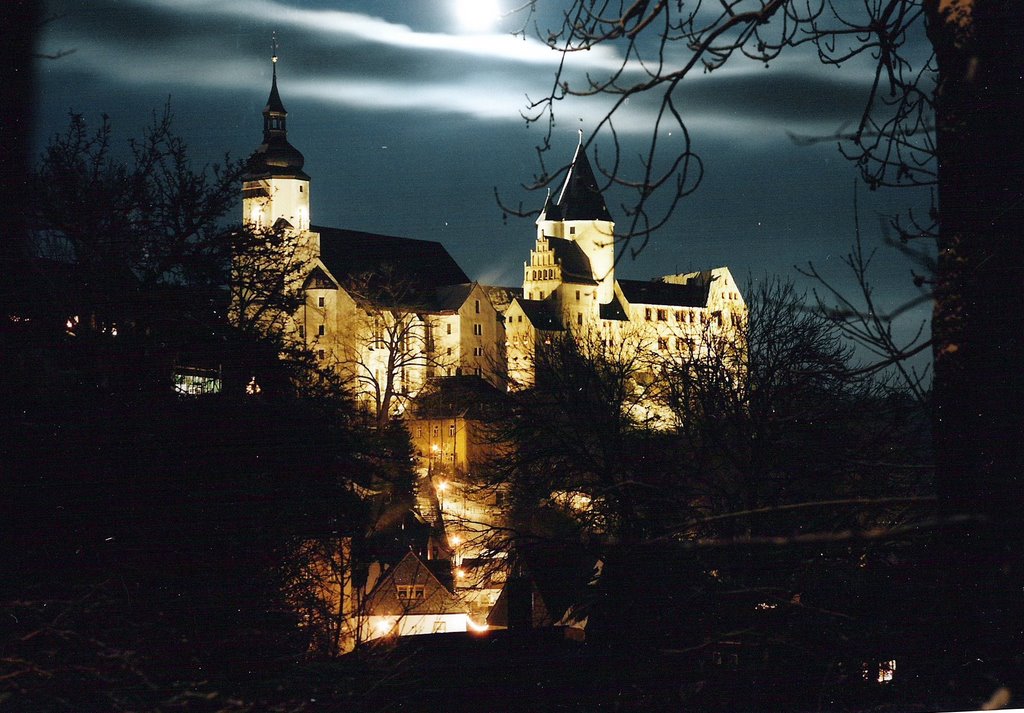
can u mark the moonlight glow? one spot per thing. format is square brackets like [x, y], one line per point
[476, 15]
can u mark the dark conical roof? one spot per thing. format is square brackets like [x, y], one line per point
[275, 156]
[581, 197]
[274, 103]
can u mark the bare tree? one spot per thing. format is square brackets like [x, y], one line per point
[968, 89]
[393, 350]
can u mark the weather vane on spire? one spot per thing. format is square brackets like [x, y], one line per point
[273, 46]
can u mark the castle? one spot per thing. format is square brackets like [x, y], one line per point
[391, 314]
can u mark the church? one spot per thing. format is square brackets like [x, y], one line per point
[392, 314]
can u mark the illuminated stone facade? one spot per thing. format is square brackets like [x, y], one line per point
[569, 285]
[388, 313]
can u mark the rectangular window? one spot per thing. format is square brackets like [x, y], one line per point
[662, 344]
[302, 332]
[478, 329]
[572, 230]
[320, 302]
[647, 314]
[579, 318]
[662, 315]
[476, 306]
[577, 295]
[519, 318]
[320, 354]
[451, 429]
[411, 592]
[449, 353]
[449, 328]
[321, 330]
[679, 315]
[478, 351]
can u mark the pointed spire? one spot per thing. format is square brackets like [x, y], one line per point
[276, 156]
[274, 112]
[581, 197]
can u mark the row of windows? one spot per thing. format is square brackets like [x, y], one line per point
[542, 274]
[685, 316]
[437, 431]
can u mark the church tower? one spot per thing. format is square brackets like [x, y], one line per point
[275, 186]
[580, 215]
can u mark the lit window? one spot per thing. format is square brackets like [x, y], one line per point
[410, 592]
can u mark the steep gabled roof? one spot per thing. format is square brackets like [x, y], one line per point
[575, 263]
[581, 197]
[412, 571]
[450, 298]
[614, 310]
[319, 280]
[424, 265]
[654, 292]
[542, 315]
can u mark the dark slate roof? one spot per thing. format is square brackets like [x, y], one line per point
[384, 601]
[653, 292]
[451, 396]
[541, 315]
[501, 297]
[613, 310]
[319, 280]
[575, 263]
[423, 264]
[449, 298]
[581, 197]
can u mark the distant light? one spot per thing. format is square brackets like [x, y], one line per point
[455, 540]
[442, 486]
[460, 573]
[473, 626]
[477, 15]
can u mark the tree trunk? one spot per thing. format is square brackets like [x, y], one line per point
[978, 323]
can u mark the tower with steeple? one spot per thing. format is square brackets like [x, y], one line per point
[579, 215]
[275, 187]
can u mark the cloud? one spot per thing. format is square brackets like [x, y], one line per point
[368, 63]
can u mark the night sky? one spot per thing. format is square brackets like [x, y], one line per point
[409, 118]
